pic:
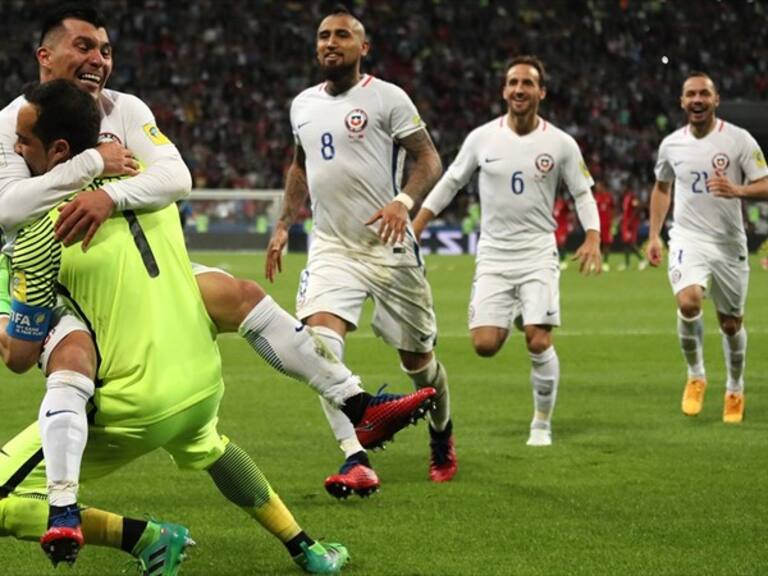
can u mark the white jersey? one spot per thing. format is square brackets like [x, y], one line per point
[125, 119]
[519, 177]
[354, 165]
[689, 161]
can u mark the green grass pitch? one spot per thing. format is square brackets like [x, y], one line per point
[631, 486]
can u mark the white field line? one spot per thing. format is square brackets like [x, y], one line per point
[561, 333]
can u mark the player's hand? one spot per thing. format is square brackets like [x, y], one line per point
[274, 260]
[118, 160]
[722, 187]
[394, 220]
[588, 254]
[654, 251]
[82, 217]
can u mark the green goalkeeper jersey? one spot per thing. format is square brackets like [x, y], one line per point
[135, 291]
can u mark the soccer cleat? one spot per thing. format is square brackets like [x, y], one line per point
[354, 477]
[693, 397]
[540, 437]
[733, 409]
[387, 414]
[64, 538]
[163, 556]
[322, 558]
[443, 463]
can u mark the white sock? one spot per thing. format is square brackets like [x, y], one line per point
[691, 334]
[434, 375]
[64, 433]
[295, 350]
[342, 428]
[545, 376]
[735, 351]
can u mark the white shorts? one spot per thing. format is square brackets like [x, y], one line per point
[499, 298]
[198, 269]
[64, 322]
[402, 315]
[721, 269]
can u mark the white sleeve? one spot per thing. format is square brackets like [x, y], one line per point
[579, 183]
[455, 178]
[404, 118]
[165, 178]
[752, 159]
[23, 198]
[663, 170]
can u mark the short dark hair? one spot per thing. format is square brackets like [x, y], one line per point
[66, 112]
[530, 61]
[78, 10]
[700, 74]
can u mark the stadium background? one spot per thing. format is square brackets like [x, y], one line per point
[630, 486]
[220, 76]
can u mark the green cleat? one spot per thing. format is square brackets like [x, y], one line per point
[164, 554]
[322, 558]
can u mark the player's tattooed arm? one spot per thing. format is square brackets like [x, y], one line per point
[294, 197]
[661, 199]
[424, 174]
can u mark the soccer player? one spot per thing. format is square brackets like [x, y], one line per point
[74, 45]
[522, 159]
[351, 134]
[631, 210]
[160, 388]
[606, 205]
[707, 158]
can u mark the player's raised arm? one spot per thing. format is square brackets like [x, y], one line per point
[425, 172]
[661, 199]
[721, 186]
[455, 178]
[296, 192]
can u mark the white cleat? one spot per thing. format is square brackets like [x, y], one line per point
[540, 437]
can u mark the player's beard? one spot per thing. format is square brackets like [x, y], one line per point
[338, 72]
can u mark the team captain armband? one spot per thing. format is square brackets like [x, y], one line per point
[29, 322]
[404, 199]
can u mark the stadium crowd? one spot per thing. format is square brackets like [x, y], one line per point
[220, 75]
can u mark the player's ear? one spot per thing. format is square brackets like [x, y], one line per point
[366, 46]
[58, 152]
[543, 92]
[43, 54]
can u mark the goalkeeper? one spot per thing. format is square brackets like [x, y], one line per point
[159, 389]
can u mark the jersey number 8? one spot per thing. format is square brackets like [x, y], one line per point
[327, 150]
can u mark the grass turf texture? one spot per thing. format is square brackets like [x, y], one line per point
[631, 486]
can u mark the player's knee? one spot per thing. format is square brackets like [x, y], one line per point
[730, 325]
[486, 347]
[250, 294]
[689, 308]
[75, 353]
[538, 342]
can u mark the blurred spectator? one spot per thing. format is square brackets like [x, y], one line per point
[220, 76]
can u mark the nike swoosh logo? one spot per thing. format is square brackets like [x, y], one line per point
[299, 127]
[489, 160]
[365, 427]
[53, 413]
[299, 328]
[425, 338]
[551, 313]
